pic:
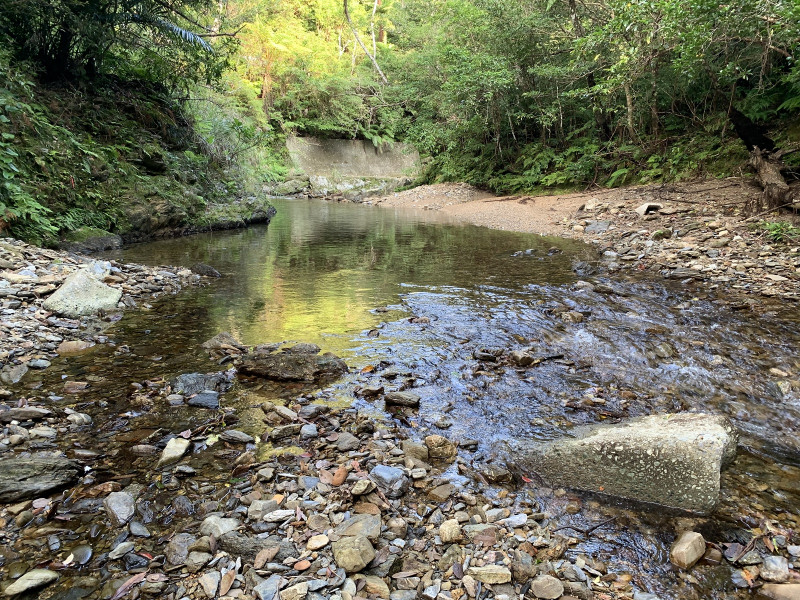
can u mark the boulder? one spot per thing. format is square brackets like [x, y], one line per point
[82, 294]
[294, 366]
[25, 478]
[672, 460]
[174, 451]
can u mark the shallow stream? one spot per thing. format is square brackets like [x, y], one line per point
[378, 286]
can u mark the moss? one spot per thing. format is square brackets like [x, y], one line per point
[84, 233]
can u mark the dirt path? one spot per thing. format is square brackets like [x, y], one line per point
[694, 232]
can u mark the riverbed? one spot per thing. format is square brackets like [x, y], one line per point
[433, 300]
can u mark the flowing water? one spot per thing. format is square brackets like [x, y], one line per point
[377, 286]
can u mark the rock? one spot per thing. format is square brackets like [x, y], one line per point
[295, 592]
[210, 583]
[346, 442]
[547, 587]
[353, 553]
[197, 560]
[120, 550]
[268, 590]
[291, 366]
[441, 492]
[572, 316]
[31, 580]
[687, 549]
[205, 271]
[177, 549]
[81, 554]
[402, 399]
[374, 586]
[218, 526]
[25, 478]
[235, 436]
[25, 413]
[392, 481]
[450, 531]
[775, 569]
[440, 448]
[362, 486]
[782, 591]
[120, 507]
[317, 542]
[673, 460]
[237, 544]
[68, 347]
[415, 450]
[205, 399]
[491, 574]
[194, 383]
[309, 431]
[82, 294]
[647, 208]
[259, 508]
[174, 451]
[368, 526]
[12, 374]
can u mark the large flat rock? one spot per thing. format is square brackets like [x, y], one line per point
[82, 294]
[671, 460]
[24, 478]
[293, 366]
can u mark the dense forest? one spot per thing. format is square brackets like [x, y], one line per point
[99, 96]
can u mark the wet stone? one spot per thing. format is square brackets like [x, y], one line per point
[775, 569]
[391, 480]
[218, 526]
[547, 587]
[121, 550]
[174, 451]
[210, 583]
[687, 549]
[177, 549]
[120, 507]
[31, 580]
[346, 442]
[205, 399]
[81, 554]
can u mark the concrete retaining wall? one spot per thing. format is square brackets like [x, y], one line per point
[338, 160]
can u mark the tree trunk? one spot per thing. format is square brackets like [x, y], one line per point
[360, 43]
[629, 109]
[777, 193]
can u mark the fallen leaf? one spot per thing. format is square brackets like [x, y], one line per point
[340, 476]
[226, 582]
[126, 587]
[264, 556]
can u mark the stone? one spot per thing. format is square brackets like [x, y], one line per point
[12, 374]
[218, 526]
[210, 583]
[268, 590]
[223, 341]
[440, 448]
[392, 481]
[82, 294]
[173, 452]
[672, 460]
[295, 592]
[374, 586]
[120, 550]
[775, 569]
[779, 591]
[205, 399]
[687, 549]
[441, 492]
[120, 507]
[353, 553]
[292, 366]
[205, 270]
[194, 383]
[309, 431]
[415, 450]
[402, 399]
[237, 544]
[235, 436]
[259, 508]
[31, 580]
[491, 574]
[197, 560]
[346, 442]
[368, 526]
[547, 587]
[363, 486]
[647, 208]
[450, 531]
[177, 550]
[317, 542]
[74, 346]
[25, 413]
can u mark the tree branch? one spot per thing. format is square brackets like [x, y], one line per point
[360, 43]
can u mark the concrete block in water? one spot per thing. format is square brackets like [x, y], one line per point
[672, 460]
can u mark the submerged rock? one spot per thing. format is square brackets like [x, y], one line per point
[31, 580]
[294, 365]
[671, 460]
[25, 478]
[195, 383]
[82, 294]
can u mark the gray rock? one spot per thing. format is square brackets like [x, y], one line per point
[292, 366]
[25, 478]
[197, 560]
[236, 437]
[194, 383]
[346, 442]
[39, 363]
[648, 207]
[177, 549]
[204, 270]
[218, 526]
[121, 550]
[25, 413]
[671, 460]
[597, 226]
[402, 399]
[775, 569]
[120, 507]
[238, 544]
[353, 553]
[780, 591]
[392, 481]
[82, 294]
[309, 431]
[268, 590]
[11, 374]
[547, 587]
[368, 526]
[210, 583]
[174, 451]
[205, 399]
[31, 580]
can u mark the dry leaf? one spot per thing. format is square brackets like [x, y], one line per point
[340, 476]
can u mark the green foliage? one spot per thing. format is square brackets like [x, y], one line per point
[780, 232]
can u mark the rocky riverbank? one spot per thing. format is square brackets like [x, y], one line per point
[31, 336]
[698, 233]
